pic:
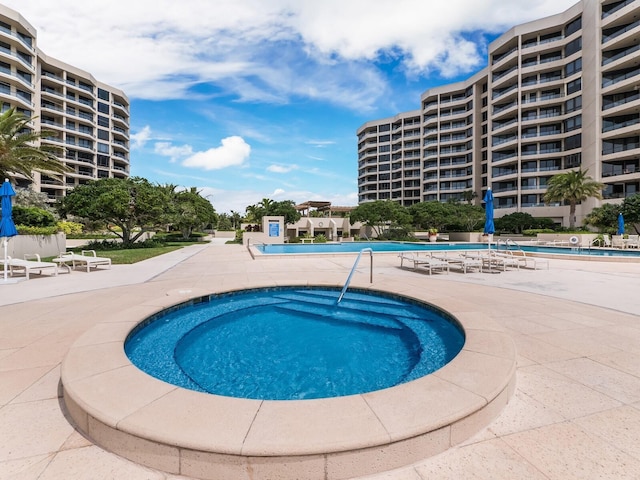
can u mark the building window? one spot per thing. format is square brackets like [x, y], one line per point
[103, 134]
[573, 47]
[573, 67]
[103, 148]
[574, 86]
[103, 94]
[573, 104]
[573, 26]
[575, 141]
[573, 123]
[103, 108]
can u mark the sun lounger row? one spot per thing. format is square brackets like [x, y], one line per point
[469, 261]
[31, 263]
[427, 262]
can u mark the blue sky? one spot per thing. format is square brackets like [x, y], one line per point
[247, 99]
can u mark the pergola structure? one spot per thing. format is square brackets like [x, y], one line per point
[305, 208]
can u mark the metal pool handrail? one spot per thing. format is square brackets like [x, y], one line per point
[353, 269]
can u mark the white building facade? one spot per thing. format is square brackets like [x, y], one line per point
[558, 93]
[89, 119]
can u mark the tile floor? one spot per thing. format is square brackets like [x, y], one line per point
[576, 326]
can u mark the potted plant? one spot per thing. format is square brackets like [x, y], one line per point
[433, 234]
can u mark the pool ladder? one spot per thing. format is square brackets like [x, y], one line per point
[353, 269]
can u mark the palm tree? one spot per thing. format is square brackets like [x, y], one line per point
[18, 155]
[236, 219]
[572, 187]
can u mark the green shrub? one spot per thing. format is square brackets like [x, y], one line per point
[29, 230]
[69, 228]
[33, 217]
[321, 238]
[534, 231]
[178, 237]
[113, 245]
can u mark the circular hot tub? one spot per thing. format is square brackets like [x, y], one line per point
[294, 343]
[211, 436]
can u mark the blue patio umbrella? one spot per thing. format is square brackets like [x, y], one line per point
[620, 224]
[489, 227]
[7, 227]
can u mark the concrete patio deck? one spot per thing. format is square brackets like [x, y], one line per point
[575, 413]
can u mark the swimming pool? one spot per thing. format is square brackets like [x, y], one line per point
[390, 247]
[293, 343]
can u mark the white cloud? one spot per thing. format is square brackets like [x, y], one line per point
[321, 143]
[232, 152]
[281, 168]
[140, 139]
[271, 51]
[166, 149]
[238, 200]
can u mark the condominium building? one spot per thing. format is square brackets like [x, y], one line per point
[87, 118]
[558, 93]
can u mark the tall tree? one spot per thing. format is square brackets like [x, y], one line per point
[631, 211]
[604, 218]
[381, 215]
[191, 211]
[133, 205]
[572, 187]
[18, 153]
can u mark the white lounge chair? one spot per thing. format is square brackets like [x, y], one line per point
[633, 241]
[87, 258]
[430, 263]
[31, 263]
[530, 262]
[501, 260]
[462, 262]
[617, 241]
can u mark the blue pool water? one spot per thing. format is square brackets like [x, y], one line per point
[355, 247]
[294, 343]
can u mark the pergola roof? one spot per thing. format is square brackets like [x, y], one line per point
[314, 204]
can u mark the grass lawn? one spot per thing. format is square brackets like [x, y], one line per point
[130, 255]
[134, 255]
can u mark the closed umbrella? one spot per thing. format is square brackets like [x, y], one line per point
[620, 224]
[7, 227]
[489, 227]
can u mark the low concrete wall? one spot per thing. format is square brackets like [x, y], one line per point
[474, 237]
[44, 245]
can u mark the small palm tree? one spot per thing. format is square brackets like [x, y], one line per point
[573, 187]
[18, 155]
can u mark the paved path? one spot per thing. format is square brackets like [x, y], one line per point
[575, 413]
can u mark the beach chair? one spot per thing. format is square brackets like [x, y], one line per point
[30, 263]
[530, 262]
[462, 262]
[501, 260]
[87, 258]
[617, 241]
[633, 241]
[429, 263]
